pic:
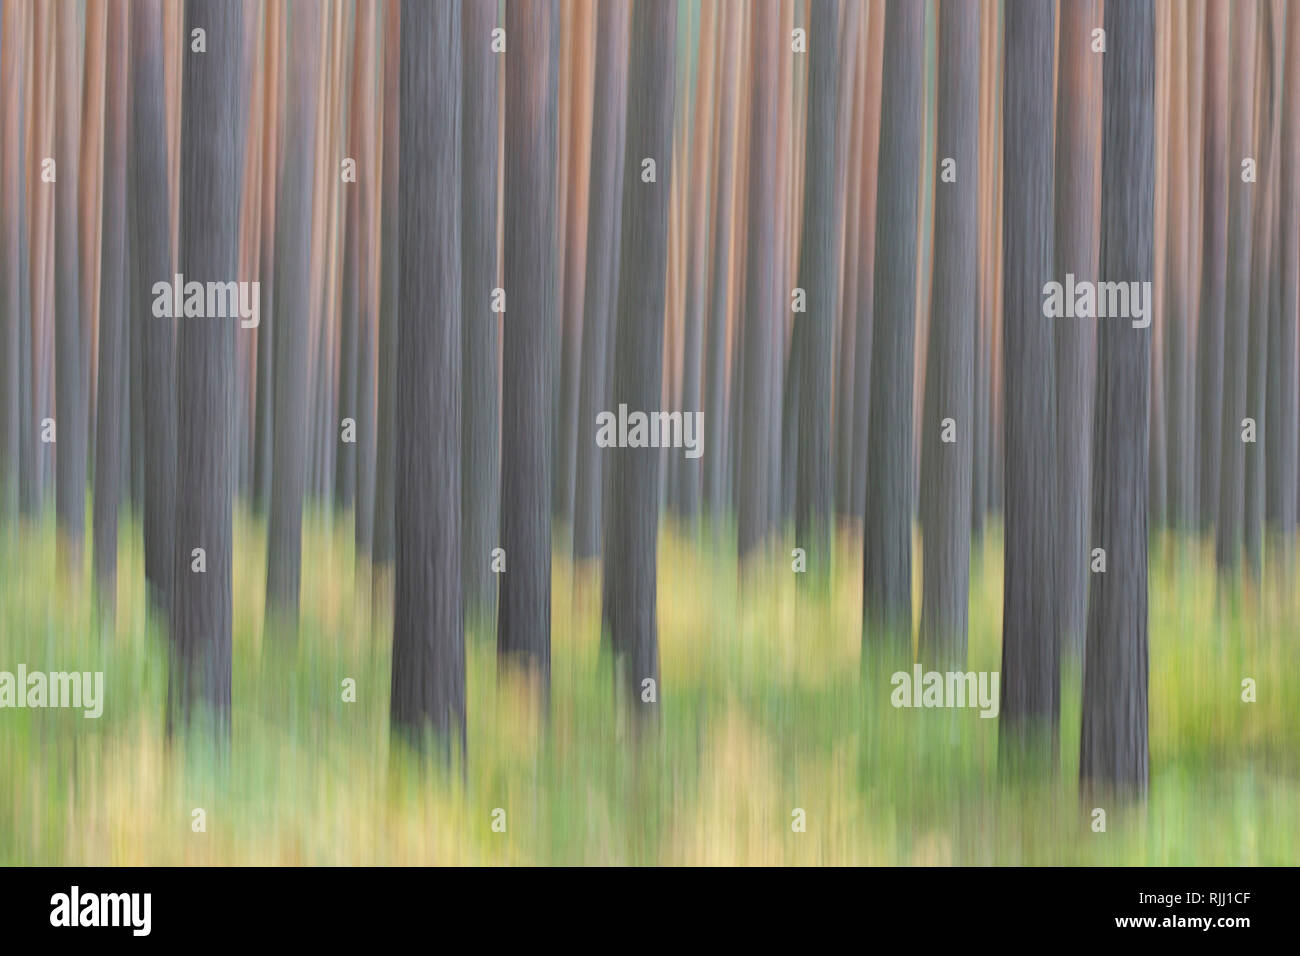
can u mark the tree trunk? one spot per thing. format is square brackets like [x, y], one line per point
[1283, 377]
[1113, 745]
[1236, 315]
[109, 436]
[601, 273]
[818, 278]
[428, 689]
[480, 491]
[69, 376]
[524, 614]
[630, 559]
[887, 559]
[1031, 681]
[950, 349]
[13, 228]
[293, 227]
[201, 609]
[1214, 254]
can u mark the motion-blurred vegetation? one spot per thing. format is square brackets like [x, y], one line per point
[763, 710]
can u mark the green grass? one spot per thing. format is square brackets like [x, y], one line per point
[763, 709]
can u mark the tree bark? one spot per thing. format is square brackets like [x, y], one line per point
[1113, 744]
[428, 688]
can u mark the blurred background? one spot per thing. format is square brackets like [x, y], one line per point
[365, 589]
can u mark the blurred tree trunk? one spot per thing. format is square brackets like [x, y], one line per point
[480, 436]
[818, 279]
[367, 326]
[69, 376]
[631, 557]
[1214, 254]
[1031, 680]
[382, 551]
[950, 355]
[887, 558]
[714, 458]
[291, 348]
[13, 251]
[763, 297]
[1263, 295]
[151, 260]
[1113, 746]
[109, 436]
[1179, 300]
[1078, 135]
[524, 613]
[701, 184]
[201, 609]
[601, 273]
[263, 425]
[1236, 321]
[576, 170]
[428, 688]
[1283, 376]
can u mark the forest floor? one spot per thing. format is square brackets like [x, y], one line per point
[764, 709]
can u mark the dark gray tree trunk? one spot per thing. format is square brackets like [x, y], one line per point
[1179, 303]
[532, 66]
[382, 551]
[887, 558]
[1078, 132]
[1283, 377]
[724, 198]
[13, 232]
[428, 689]
[292, 416]
[367, 329]
[1113, 745]
[601, 274]
[819, 279]
[950, 350]
[630, 558]
[480, 442]
[1031, 680]
[263, 424]
[151, 261]
[69, 375]
[764, 300]
[1236, 314]
[109, 436]
[205, 358]
[1214, 256]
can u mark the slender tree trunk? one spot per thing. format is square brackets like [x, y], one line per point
[1236, 321]
[367, 326]
[151, 260]
[1214, 255]
[524, 614]
[887, 559]
[69, 376]
[818, 278]
[630, 559]
[1113, 745]
[428, 689]
[291, 317]
[724, 193]
[201, 609]
[1283, 376]
[112, 354]
[480, 491]
[263, 425]
[763, 297]
[601, 273]
[1078, 136]
[1031, 680]
[950, 356]
[13, 226]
